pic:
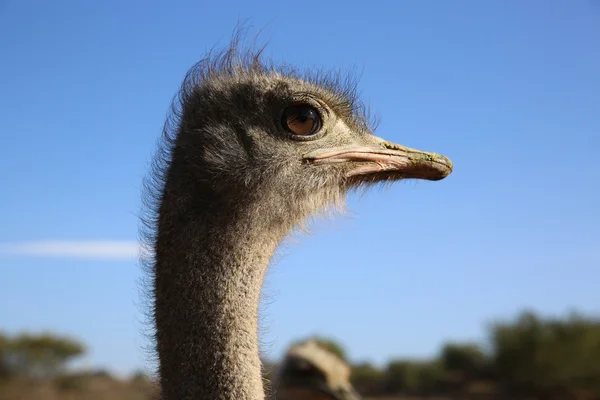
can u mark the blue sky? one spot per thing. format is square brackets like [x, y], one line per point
[509, 90]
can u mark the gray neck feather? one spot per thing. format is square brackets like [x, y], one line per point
[211, 258]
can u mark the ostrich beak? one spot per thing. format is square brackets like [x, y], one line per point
[347, 394]
[385, 159]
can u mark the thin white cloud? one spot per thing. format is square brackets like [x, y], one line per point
[80, 249]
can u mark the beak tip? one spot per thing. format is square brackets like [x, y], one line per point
[432, 166]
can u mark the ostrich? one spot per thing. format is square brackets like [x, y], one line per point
[311, 372]
[250, 151]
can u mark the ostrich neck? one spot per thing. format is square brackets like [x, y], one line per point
[210, 263]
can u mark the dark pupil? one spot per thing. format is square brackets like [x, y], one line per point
[304, 115]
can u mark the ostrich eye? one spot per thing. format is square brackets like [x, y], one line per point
[301, 120]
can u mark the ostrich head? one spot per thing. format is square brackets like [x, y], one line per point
[252, 131]
[311, 372]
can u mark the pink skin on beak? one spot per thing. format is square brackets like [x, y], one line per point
[385, 157]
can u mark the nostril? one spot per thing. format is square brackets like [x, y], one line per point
[390, 146]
